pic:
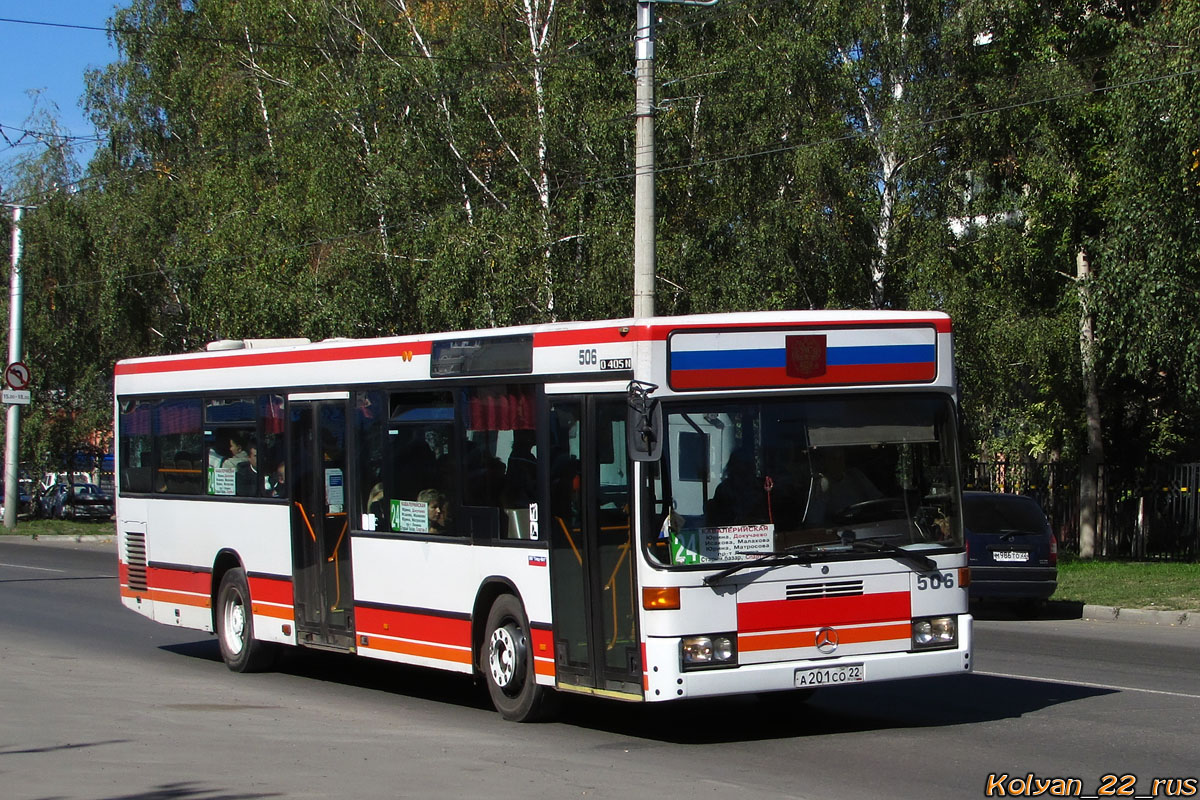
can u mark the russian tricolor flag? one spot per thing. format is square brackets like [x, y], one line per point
[830, 357]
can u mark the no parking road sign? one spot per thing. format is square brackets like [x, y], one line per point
[16, 379]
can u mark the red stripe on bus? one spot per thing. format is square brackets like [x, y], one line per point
[267, 358]
[774, 615]
[271, 590]
[808, 639]
[410, 625]
[777, 376]
[543, 646]
[179, 580]
[589, 336]
[543, 651]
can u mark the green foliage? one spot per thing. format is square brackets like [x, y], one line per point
[350, 168]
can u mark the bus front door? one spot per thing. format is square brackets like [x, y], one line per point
[592, 560]
[321, 567]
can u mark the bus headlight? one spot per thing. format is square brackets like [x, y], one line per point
[708, 651]
[932, 632]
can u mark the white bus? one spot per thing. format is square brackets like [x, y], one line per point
[643, 509]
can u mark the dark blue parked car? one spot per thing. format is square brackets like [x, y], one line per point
[24, 504]
[1011, 550]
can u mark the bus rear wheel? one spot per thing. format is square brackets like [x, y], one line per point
[506, 661]
[235, 626]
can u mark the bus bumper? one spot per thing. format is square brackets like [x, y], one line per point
[667, 681]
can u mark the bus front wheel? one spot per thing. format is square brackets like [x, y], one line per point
[235, 626]
[506, 661]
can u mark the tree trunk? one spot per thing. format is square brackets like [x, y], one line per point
[1089, 468]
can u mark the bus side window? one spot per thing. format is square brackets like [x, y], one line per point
[179, 438]
[370, 431]
[135, 429]
[501, 462]
[413, 489]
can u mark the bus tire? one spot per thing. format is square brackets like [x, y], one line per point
[506, 661]
[240, 651]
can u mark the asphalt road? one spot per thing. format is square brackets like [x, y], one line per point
[97, 703]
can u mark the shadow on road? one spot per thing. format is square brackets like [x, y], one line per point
[918, 703]
[24, 751]
[365, 673]
[183, 791]
[1052, 610]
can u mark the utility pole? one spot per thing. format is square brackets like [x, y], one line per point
[16, 294]
[643, 181]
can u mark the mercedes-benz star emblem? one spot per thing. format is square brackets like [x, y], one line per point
[827, 640]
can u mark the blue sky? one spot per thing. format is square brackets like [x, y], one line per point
[51, 59]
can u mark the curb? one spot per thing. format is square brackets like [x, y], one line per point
[1142, 616]
[62, 538]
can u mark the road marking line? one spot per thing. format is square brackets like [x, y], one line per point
[1087, 684]
[39, 569]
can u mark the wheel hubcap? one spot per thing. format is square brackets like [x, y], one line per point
[235, 626]
[504, 655]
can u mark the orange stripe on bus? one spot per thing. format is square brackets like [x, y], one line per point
[278, 612]
[422, 649]
[799, 639]
[178, 598]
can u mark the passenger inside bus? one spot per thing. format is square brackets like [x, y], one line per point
[520, 478]
[276, 481]
[839, 485]
[247, 478]
[739, 498]
[229, 451]
[377, 505]
[439, 510]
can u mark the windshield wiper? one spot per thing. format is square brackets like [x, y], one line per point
[789, 555]
[879, 546]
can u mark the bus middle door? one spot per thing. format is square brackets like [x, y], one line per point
[321, 566]
[593, 561]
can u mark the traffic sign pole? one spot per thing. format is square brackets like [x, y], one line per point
[16, 296]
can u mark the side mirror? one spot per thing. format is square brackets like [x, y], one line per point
[644, 426]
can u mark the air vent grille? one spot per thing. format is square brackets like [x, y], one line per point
[811, 591]
[135, 557]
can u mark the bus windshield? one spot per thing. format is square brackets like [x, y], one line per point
[822, 477]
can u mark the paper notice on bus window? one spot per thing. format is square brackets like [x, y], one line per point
[410, 516]
[335, 489]
[222, 480]
[701, 545]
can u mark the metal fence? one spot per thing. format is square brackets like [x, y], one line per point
[1154, 518]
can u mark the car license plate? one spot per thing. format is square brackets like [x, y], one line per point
[1010, 555]
[830, 676]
